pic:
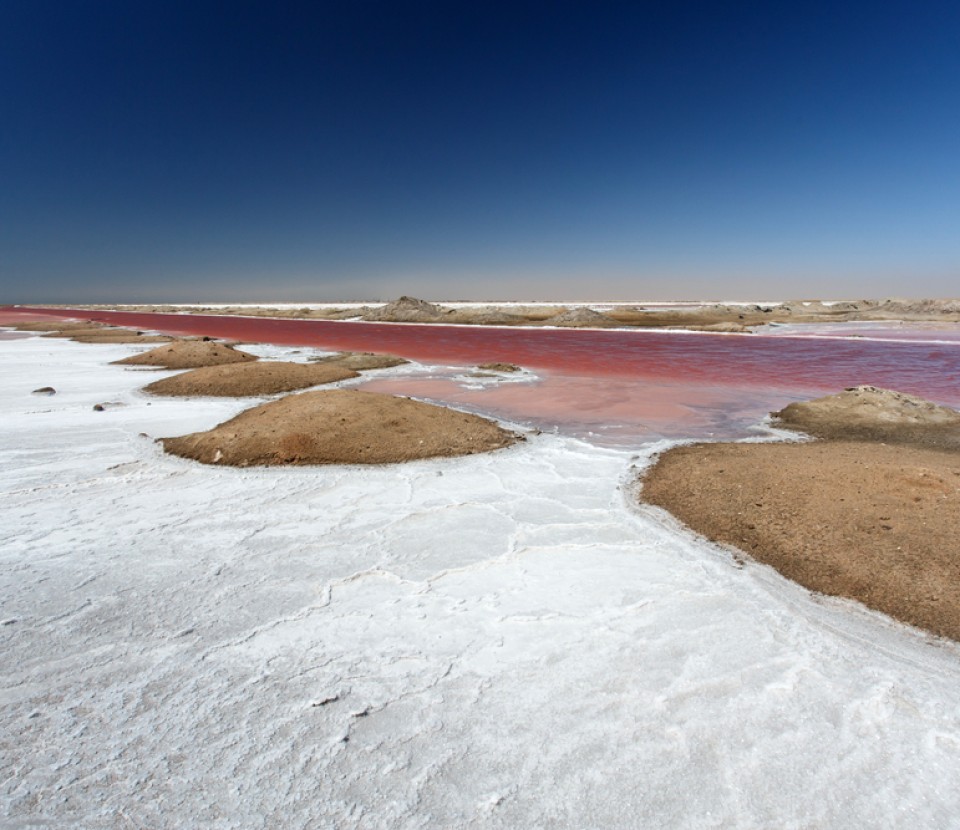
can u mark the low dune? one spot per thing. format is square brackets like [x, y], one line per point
[866, 413]
[96, 333]
[407, 310]
[871, 512]
[250, 379]
[580, 317]
[57, 325]
[341, 427]
[188, 354]
[499, 367]
[121, 338]
[88, 330]
[361, 361]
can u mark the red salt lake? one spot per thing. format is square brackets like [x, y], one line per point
[612, 386]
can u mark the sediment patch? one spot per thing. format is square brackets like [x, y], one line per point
[866, 413]
[872, 512]
[361, 361]
[250, 379]
[499, 367]
[341, 427]
[188, 354]
[56, 325]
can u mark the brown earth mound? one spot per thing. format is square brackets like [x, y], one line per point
[873, 522]
[866, 413]
[927, 307]
[408, 310]
[361, 361]
[188, 354]
[249, 379]
[341, 427]
[121, 338]
[730, 328]
[500, 367]
[580, 316]
[88, 330]
[55, 325]
[484, 317]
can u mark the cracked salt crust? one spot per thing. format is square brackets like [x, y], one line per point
[493, 641]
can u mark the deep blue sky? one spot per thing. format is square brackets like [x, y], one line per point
[181, 151]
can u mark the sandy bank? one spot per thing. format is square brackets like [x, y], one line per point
[877, 522]
[341, 427]
[866, 413]
[110, 338]
[90, 332]
[188, 354]
[57, 325]
[250, 379]
[361, 361]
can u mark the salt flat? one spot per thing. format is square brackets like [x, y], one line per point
[491, 641]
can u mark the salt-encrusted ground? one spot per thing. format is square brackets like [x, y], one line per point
[495, 641]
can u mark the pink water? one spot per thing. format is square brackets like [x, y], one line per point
[608, 386]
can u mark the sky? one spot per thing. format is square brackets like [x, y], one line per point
[252, 151]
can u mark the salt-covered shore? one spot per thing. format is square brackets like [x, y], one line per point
[490, 641]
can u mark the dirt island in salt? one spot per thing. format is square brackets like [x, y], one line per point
[871, 511]
[341, 427]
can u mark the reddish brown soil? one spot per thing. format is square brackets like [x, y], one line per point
[188, 354]
[249, 379]
[874, 522]
[341, 427]
[866, 413]
[57, 325]
[361, 361]
[90, 330]
[499, 367]
[121, 338]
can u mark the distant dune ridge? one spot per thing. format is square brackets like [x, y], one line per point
[707, 316]
[871, 511]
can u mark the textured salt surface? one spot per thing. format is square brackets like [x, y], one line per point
[493, 641]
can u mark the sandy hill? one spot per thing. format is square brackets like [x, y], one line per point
[341, 427]
[250, 379]
[188, 354]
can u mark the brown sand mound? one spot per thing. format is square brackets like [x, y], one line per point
[341, 427]
[249, 379]
[730, 328]
[121, 338]
[361, 361]
[87, 331]
[407, 310]
[55, 325]
[580, 316]
[484, 317]
[874, 522]
[869, 413]
[188, 354]
[499, 367]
